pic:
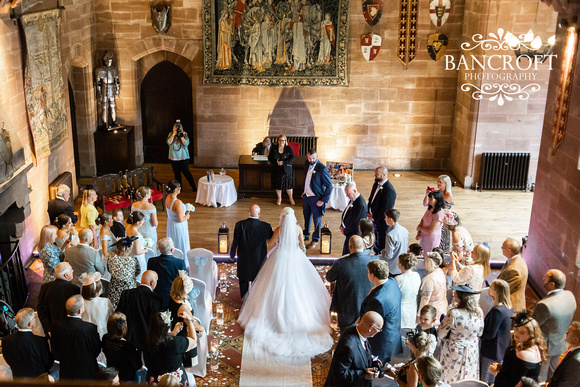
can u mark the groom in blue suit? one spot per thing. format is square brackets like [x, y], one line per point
[317, 190]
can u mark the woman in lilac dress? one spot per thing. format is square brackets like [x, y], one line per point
[429, 229]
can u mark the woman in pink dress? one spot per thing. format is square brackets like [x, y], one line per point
[429, 229]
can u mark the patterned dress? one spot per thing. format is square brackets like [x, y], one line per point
[50, 257]
[470, 275]
[459, 333]
[123, 270]
[446, 235]
[433, 292]
[465, 245]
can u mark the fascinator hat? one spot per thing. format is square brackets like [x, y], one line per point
[449, 218]
[125, 242]
[90, 278]
[187, 282]
[522, 318]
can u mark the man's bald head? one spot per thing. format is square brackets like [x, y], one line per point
[556, 277]
[149, 278]
[75, 305]
[510, 247]
[370, 324]
[86, 236]
[356, 244]
[63, 271]
[254, 211]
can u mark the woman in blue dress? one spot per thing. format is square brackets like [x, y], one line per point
[149, 227]
[177, 217]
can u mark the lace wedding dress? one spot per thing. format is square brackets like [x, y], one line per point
[286, 312]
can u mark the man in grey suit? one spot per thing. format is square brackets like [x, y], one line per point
[396, 242]
[568, 372]
[352, 283]
[83, 258]
[554, 313]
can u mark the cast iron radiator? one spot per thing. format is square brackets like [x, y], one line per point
[504, 171]
[305, 142]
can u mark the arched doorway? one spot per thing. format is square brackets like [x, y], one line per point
[166, 95]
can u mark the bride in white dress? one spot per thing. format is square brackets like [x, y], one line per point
[286, 312]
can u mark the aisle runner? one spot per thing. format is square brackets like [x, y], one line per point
[260, 371]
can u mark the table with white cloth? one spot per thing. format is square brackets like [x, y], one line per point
[221, 190]
[338, 199]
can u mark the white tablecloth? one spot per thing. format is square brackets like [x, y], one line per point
[222, 190]
[338, 199]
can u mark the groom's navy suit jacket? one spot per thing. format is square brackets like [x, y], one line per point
[349, 362]
[385, 299]
[320, 182]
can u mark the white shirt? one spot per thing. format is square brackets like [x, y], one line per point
[347, 208]
[380, 184]
[307, 189]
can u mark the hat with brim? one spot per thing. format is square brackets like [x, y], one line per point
[465, 289]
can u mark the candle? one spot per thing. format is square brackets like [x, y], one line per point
[223, 276]
[223, 246]
[219, 314]
[333, 320]
[325, 249]
[327, 284]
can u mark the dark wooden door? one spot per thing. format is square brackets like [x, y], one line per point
[166, 96]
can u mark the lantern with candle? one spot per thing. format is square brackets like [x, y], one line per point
[223, 239]
[325, 239]
[219, 314]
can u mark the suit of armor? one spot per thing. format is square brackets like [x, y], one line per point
[108, 87]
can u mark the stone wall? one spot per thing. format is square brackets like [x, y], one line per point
[554, 236]
[483, 126]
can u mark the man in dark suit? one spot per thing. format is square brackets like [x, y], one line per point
[263, 148]
[138, 305]
[250, 242]
[352, 284]
[27, 355]
[76, 343]
[568, 372]
[351, 363]
[352, 214]
[317, 190]
[554, 314]
[382, 198]
[167, 268]
[53, 295]
[83, 258]
[60, 205]
[385, 299]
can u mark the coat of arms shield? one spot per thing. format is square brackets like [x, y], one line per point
[439, 11]
[161, 17]
[372, 11]
[370, 45]
[436, 45]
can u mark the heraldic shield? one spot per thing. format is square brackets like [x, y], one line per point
[436, 45]
[439, 11]
[370, 45]
[372, 11]
[161, 17]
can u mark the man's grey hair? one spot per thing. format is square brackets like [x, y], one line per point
[62, 189]
[350, 186]
[62, 269]
[85, 235]
[24, 317]
[165, 245]
[74, 305]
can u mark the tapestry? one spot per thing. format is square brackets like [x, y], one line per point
[564, 89]
[43, 81]
[275, 42]
[408, 16]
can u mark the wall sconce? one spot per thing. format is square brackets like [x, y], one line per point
[531, 45]
[325, 240]
[223, 239]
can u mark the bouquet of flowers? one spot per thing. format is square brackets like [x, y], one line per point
[148, 242]
[189, 207]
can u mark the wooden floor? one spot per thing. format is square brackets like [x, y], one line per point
[489, 216]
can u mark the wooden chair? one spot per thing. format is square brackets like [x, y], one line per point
[295, 147]
[111, 192]
[140, 177]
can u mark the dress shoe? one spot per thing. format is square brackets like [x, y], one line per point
[292, 202]
[313, 245]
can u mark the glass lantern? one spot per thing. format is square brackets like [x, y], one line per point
[325, 240]
[223, 239]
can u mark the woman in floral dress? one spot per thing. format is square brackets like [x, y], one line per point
[429, 229]
[123, 268]
[470, 275]
[459, 333]
[49, 253]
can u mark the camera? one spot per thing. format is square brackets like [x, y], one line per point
[378, 368]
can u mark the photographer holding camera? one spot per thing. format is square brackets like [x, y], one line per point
[179, 154]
